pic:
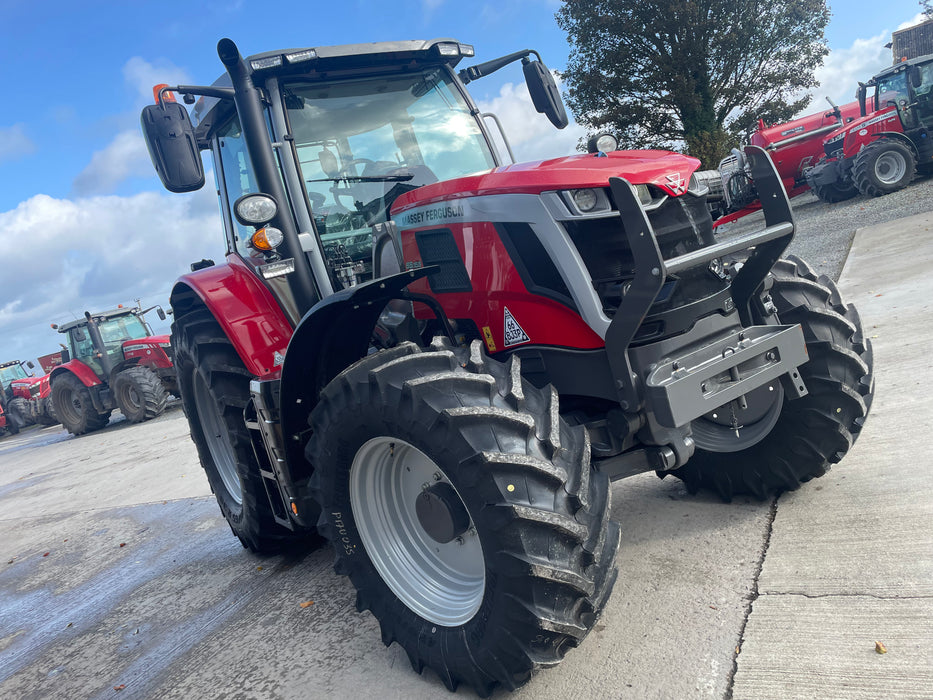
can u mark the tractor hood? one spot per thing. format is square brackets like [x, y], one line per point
[668, 171]
[871, 120]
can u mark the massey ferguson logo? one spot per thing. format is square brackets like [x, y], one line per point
[676, 182]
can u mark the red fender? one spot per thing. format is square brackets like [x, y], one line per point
[80, 370]
[246, 310]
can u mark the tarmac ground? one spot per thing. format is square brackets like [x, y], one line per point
[120, 579]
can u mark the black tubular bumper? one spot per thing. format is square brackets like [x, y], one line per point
[678, 378]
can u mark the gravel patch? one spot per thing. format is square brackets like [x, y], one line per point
[825, 231]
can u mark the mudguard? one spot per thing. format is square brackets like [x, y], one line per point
[334, 334]
[87, 376]
[246, 310]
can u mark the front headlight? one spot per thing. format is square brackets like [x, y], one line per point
[587, 200]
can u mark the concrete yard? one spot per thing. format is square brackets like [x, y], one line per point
[120, 579]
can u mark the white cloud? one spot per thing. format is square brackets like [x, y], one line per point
[531, 135]
[93, 253]
[844, 68]
[143, 75]
[14, 143]
[124, 157]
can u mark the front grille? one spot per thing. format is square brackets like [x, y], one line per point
[681, 225]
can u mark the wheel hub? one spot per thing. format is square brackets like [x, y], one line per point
[441, 513]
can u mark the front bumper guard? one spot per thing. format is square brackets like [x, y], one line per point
[651, 270]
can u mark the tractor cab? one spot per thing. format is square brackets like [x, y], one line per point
[115, 328]
[11, 371]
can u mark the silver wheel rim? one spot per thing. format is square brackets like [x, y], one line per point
[443, 583]
[218, 442]
[890, 167]
[712, 436]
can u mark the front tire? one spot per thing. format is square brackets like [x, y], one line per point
[214, 386]
[810, 433]
[834, 192]
[464, 510]
[74, 407]
[139, 394]
[23, 408]
[883, 166]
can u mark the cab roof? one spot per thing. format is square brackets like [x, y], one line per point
[99, 316]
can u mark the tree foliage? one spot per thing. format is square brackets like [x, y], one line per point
[926, 7]
[696, 73]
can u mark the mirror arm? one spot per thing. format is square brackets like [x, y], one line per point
[483, 69]
[222, 93]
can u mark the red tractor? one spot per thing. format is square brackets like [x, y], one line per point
[439, 361]
[26, 395]
[881, 152]
[112, 361]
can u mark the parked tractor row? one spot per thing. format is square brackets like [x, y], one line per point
[439, 360]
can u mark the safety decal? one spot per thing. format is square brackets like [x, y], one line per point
[487, 336]
[514, 335]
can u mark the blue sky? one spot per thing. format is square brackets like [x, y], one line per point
[85, 222]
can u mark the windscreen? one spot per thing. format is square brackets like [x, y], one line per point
[11, 372]
[362, 143]
[892, 90]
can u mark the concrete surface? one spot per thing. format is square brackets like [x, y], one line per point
[850, 558]
[119, 579]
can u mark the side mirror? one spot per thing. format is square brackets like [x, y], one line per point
[173, 146]
[160, 313]
[914, 76]
[66, 355]
[544, 92]
[30, 364]
[79, 335]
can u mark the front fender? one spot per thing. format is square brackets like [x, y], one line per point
[333, 335]
[245, 309]
[87, 376]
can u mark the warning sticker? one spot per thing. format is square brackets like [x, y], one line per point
[490, 343]
[514, 335]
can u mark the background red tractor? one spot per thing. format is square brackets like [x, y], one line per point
[880, 152]
[112, 361]
[8, 424]
[439, 359]
[26, 395]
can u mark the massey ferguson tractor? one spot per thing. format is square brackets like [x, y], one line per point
[440, 360]
[112, 361]
[28, 396]
[881, 152]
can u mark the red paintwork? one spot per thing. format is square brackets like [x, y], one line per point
[877, 124]
[497, 285]
[571, 172]
[246, 310]
[2, 418]
[790, 159]
[23, 387]
[87, 375]
[149, 350]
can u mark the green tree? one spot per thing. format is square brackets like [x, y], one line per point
[926, 6]
[696, 74]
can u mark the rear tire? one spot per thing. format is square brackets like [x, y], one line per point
[74, 407]
[883, 166]
[139, 394]
[835, 191]
[535, 562]
[815, 431]
[214, 385]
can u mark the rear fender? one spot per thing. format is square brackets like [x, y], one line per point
[245, 309]
[76, 367]
[331, 337]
